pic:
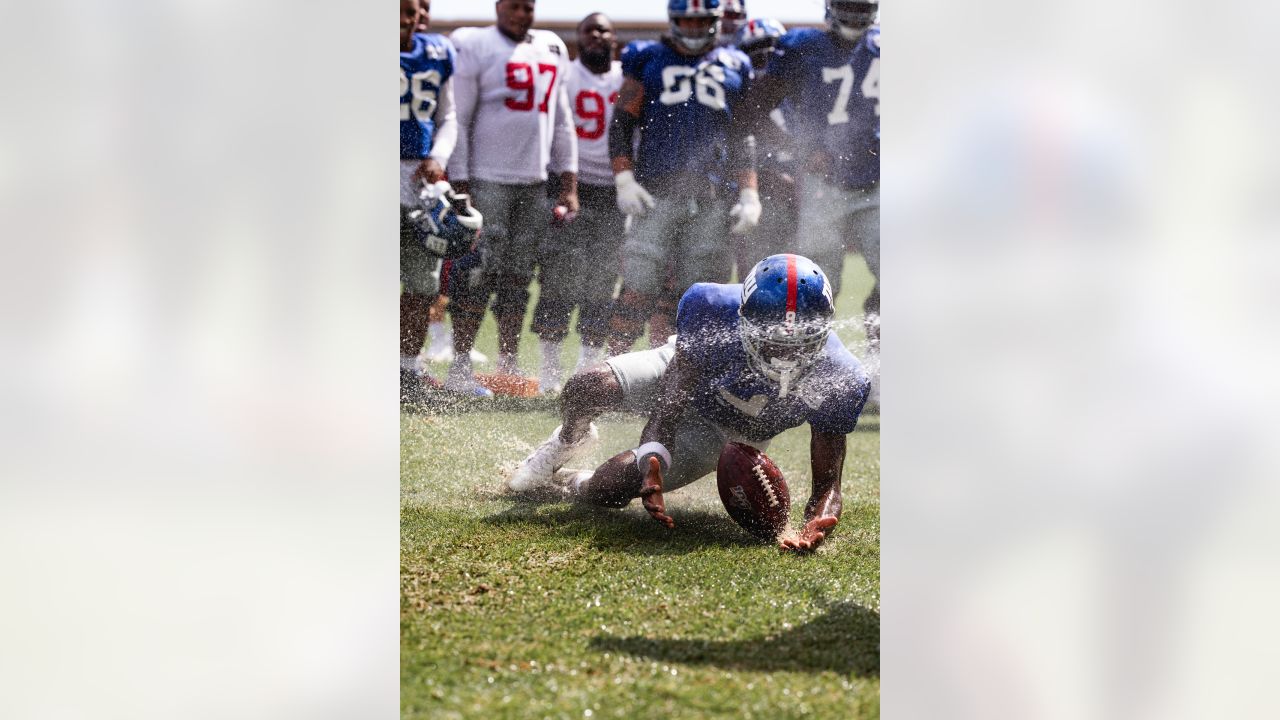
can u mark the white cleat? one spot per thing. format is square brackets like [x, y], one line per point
[538, 470]
[461, 381]
[445, 355]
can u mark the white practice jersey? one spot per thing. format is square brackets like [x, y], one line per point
[592, 98]
[513, 108]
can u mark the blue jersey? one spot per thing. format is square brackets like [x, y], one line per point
[423, 72]
[835, 94]
[729, 393]
[690, 103]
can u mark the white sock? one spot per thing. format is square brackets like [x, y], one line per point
[550, 352]
[589, 356]
[440, 335]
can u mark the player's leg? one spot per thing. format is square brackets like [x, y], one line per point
[617, 481]
[513, 268]
[602, 229]
[562, 258]
[468, 298]
[820, 227]
[702, 254]
[644, 255]
[864, 229]
[776, 232]
[419, 284]
[626, 381]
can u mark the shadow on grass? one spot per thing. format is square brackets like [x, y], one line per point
[629, 532]
[845, 640]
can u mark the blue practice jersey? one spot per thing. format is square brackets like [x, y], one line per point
[729, 393]
[835, 94]
[690, 103]
[423, 71]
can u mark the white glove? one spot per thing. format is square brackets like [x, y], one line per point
[747, 211]
[632, 198]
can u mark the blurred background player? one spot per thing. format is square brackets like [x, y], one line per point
[733, 15]
[428, 133]
[775, 158]
[514, 125]
[685, 95]
[831, 82]
[749, 361]
[579, 265]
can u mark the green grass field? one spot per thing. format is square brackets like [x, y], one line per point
[521, 610]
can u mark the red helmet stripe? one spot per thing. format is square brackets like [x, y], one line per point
[792, 282]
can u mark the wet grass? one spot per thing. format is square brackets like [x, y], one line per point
[514, 609]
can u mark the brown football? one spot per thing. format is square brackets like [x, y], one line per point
[753, 490]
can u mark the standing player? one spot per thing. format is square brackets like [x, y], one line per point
[831, 81]
[686, 96]
[580, 265]
[749, 361]
[735, 14]
[514, 124]
[428, 132]
[775, 156]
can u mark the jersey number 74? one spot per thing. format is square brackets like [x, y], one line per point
[844, 74]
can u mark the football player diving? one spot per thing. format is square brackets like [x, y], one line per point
[749, 361]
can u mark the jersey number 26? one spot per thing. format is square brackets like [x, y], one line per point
[870, 89]
[422, 94]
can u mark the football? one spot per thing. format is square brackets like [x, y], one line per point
[753, 491]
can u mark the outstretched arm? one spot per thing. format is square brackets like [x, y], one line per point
[653, 457]
[822, 512]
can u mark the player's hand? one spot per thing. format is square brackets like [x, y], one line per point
[651, 494]
[429, 171]
[814, 532]
[747, 211]
[570, 201]
[632, 198]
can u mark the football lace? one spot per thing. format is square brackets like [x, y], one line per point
[758, 469]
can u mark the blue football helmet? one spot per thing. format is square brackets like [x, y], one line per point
[759, 36]
[735, 11]
[785, 317]
[695, 9]
[850, 18]
[444, 222]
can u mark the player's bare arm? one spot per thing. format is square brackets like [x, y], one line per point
[626, 116]
[822, 512]
[568, 192]
[674, 394]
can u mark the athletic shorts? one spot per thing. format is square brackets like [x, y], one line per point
[833, 218]
[419, 269]
[686, 231]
